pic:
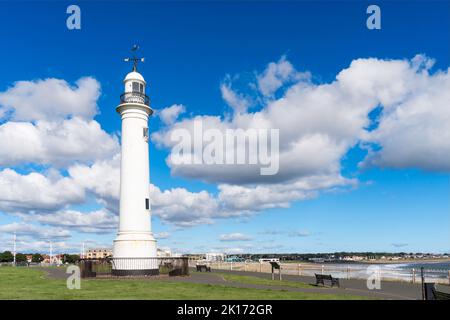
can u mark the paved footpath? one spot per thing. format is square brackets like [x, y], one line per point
[389, 289]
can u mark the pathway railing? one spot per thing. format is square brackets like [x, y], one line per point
[344, 271]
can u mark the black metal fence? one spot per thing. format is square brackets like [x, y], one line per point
[110, 267]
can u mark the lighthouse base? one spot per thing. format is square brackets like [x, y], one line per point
[134, 254]
[135, 273]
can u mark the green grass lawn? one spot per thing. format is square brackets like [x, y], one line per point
[262, 281]
[29, 283]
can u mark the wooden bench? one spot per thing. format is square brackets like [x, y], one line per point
[432, 294]
[321, 278]
[205, 267]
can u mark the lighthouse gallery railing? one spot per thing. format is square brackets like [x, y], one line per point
[134, 97]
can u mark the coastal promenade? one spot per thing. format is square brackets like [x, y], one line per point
[386, 272]
[389, 290]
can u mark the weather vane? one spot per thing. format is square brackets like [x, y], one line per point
[134, 58]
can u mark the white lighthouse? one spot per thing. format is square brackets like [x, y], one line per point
[134, 250]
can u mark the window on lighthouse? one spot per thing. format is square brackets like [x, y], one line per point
[145, 134]
[138, 87]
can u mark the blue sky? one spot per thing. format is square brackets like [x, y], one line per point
[191, 48]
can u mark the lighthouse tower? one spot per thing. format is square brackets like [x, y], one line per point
[134, 249]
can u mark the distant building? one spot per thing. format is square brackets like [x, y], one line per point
[99, 253]
[353, 258]
[215, 257]
[195, 257]
[163, 252]
[394, 258]
[317, 260]
[234, 259]
[262, 260]
[54, 259]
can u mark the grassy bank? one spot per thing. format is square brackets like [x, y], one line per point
[29, 283]
[262, 281]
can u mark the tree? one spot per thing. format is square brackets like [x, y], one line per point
[20, 257]
[6, 256]
[37, 257]
[71, 258]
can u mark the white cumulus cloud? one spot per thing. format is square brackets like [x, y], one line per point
[37, 192]
[234, 237]
[278, 74]
[170, 114]
[50, 99]
[100, 221]
[58, 142]
[33, 231]
[320, 123]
